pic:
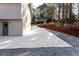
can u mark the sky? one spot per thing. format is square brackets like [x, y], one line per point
[37, 4]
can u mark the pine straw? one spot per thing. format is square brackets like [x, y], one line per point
[71, 29]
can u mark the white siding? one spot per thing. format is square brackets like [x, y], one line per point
[10, 11]
[15, 28]
[22, 26]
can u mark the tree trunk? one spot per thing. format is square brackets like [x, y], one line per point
[59, 7]
[62, 13]
[70, 15]
[78, 10]
[66, 12]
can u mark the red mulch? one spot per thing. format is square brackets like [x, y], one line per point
[71, 30]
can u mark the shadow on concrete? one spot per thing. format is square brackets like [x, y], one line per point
[72, 40]
[43, 51]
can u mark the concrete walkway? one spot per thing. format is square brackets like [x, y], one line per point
[39, 41]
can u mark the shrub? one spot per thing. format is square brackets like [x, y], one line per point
[49, 20]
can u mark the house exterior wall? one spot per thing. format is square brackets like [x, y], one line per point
[10, 11]
[18, 17]
[15, 28]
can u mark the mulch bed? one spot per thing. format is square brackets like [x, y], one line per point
[72, 29]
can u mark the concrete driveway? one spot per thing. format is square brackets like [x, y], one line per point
[39, 41]
[38, 37]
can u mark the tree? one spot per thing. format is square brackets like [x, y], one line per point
[59, 10]
[78, 9]
[30, 7]
[70, 15]
[66, 11]
[47, 11]
[63, 7]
